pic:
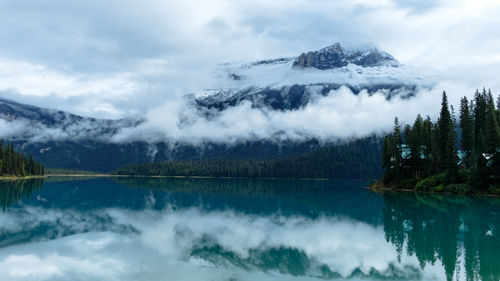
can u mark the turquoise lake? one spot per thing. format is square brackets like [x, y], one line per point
[232, 229]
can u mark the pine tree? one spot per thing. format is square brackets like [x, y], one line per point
[480, 108]
[13, 163]
[444, 124]
[396, 143]
[491, 130]
[415, 142]
[466, 125]
[498, 109]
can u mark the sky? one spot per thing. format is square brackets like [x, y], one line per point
[119, 58]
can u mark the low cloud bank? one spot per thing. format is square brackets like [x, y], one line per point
[338, 116]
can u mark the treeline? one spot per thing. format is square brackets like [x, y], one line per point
[13, 163]
[451, 155]
[354, 160]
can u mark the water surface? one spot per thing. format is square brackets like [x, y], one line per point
[228, 229]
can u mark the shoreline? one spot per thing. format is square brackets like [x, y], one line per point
[186, 177]
[22, 178]
[374, 187]
[158, 177]
[447, 193]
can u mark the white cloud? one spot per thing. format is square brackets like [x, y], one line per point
[92, 59]
[340, 115]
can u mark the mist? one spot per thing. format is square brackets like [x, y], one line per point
[340, 115]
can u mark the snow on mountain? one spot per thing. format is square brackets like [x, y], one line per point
[289, 83]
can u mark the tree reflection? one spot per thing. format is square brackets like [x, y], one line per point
[446, 228]
[12, 191]
[305, 197]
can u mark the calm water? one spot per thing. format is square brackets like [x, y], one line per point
[206, 229]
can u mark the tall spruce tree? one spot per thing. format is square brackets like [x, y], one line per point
[415, 143]
[491, 130]
[446, 142]
[466, 125]
[427, 145]
[498, 108]
[480, 108]
[397, 143]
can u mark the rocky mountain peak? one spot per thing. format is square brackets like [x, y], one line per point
[336, 56]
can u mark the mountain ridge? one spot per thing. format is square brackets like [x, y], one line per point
[335, 56]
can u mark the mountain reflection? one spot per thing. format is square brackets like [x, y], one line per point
[462, 233]
[314, 229]
[288, 197]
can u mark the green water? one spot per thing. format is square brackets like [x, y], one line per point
[228, 229]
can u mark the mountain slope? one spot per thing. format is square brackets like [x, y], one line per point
[62, 125]
[62, 140]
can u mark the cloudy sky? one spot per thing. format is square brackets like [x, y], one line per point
[121, 58]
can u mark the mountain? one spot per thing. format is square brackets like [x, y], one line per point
[335, 56]
[84, 143]
[292, 83]
[63, 140]
[64, 124]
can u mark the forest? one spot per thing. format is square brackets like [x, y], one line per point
[13, 163]
[363, 156]
[461, 156]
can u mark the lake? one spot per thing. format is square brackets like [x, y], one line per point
[236, 229]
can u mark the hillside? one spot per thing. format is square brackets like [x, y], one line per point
[355, 160]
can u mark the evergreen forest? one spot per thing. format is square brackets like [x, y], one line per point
[359, 159]
[13, 163]
[461, 156]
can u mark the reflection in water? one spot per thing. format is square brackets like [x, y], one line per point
[289, 197]
[12, 191]
[460, 232]
[208, 229]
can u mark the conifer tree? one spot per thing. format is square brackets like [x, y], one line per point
[396, 143]
[433, 146]
[491, 131]
[446, 139]
[427, 145]
[13, 163]
[480, 108]
[415, 143]
[467, 130]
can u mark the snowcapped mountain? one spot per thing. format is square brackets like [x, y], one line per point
[335, 56]
[64, 140]
[291, 83]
